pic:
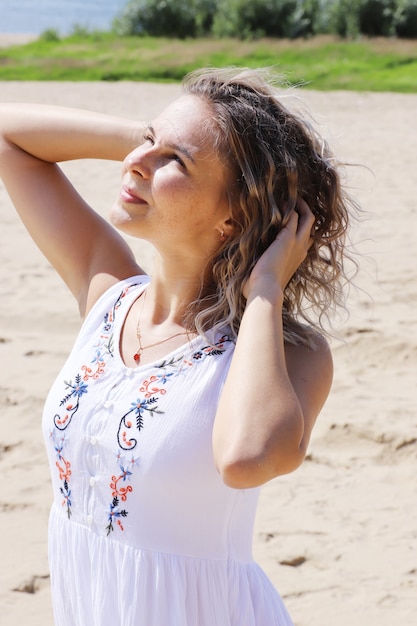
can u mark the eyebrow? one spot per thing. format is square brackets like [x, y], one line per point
[174, 146]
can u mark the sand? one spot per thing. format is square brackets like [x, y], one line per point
[11, 39]
[338, 537]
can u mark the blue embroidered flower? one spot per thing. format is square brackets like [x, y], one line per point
[163, 378]
[79, 388]
[115, 514]
[125, 473]
[59, 444]
[98, 357]
[139, 406]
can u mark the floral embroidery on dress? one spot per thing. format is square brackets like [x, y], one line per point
[152, 389]
[120, 492]
[211, 350]
[77, 390]
[64, 468]
[103, 351]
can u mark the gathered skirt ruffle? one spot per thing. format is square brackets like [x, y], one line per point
[97, 581]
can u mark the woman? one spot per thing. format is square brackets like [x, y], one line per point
[186, 391]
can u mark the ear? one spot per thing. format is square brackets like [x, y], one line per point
[226, 228]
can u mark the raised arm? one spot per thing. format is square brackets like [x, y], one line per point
[88, 253]
[274, 391]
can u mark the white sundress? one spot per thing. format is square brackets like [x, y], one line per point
[142, 531]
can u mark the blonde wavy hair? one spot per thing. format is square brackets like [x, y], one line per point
[276, 157]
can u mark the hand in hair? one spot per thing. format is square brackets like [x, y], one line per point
[283, 257]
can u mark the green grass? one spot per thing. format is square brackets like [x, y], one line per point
[322, 63]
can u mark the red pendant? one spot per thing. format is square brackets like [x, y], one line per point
[136, 357]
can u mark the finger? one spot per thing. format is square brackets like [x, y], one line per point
[291, 225]
[303, 210]
[306, 217]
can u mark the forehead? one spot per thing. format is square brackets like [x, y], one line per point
[186, 121]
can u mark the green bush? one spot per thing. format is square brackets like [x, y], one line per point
[311, 17]
[248, 19]
[405, 20]
[344, 17]
[79, 30]
[205, 11]
[49, 35]
[251, 19]
[166, 18]
[376, 17]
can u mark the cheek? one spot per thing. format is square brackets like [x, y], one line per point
[176, 197]
[168, 183]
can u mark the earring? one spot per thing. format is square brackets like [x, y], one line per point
[222, 236]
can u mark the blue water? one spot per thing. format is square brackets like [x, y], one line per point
[35, 16]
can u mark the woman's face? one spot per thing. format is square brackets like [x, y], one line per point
[174, 185]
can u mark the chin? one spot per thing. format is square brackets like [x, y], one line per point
[119, 217]
[123, 221]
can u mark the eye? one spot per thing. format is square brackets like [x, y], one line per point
[175, 157]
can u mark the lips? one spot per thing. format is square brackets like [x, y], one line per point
[130, 196]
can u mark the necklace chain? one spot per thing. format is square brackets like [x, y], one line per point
[138, 354]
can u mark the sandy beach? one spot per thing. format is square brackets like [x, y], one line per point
[9, 39]
[339, 536]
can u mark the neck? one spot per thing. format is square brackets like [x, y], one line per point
[171, 290]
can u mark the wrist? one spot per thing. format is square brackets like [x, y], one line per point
[266, 288]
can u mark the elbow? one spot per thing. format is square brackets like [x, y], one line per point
[252, 457]
[242, 472]
[5, 149]
[8, 152]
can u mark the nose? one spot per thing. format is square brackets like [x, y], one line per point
[139, 161]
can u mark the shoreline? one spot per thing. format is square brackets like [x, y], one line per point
[16, 39]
